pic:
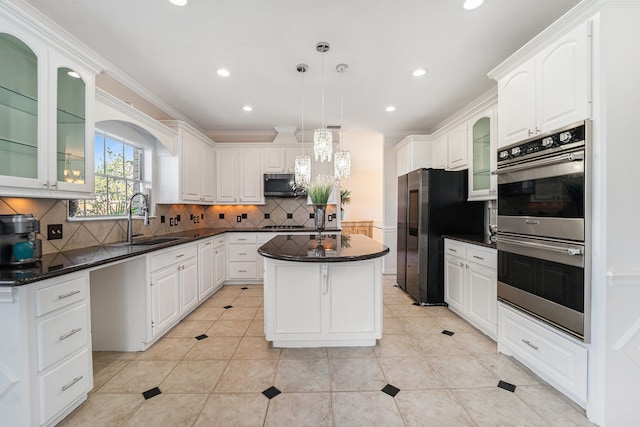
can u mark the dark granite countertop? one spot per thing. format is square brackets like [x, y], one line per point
[474, 239]
[59, 263]
[306, 248]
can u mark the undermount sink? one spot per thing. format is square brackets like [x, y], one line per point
[147, 242]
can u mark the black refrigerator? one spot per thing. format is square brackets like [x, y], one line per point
[431, 202]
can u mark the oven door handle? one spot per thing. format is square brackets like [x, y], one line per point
[570, 157]
[564, 250]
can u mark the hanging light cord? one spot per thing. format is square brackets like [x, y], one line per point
[302, 114]
[323, 89]
[341, 106]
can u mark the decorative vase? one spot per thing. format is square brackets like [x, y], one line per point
[319, 212]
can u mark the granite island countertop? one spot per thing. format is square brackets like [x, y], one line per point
[307, 248]
[60, 263]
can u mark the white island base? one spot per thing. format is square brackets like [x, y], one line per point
[323, 304]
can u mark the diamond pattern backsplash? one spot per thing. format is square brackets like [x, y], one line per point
[82, 234]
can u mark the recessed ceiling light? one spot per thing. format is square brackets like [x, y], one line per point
[179, 2]
[419, 72]
[73, 74]
[247, 108]
[223, 73]
[390, 108]
[472, 4]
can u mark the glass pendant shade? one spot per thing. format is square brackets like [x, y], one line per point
[342, 164]
[322, 144]
[302, 171]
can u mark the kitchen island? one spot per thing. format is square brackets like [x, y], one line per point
[323, 292]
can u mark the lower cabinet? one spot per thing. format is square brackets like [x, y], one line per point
[46, 368]
[555, 357]
[211, 266]
[174, 286]
[242, 257]
[335, 304]
[471, 284]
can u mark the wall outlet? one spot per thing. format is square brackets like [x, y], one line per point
[54, 231]
[245, 216]
[161, 219]
[238, 218]
[170, 222]
[178, 218]
[330, 217]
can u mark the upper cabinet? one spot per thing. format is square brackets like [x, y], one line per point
[412, 153]
[457, 156]
[547, 92]
[482, 150]
[46, 118]
[188, 176]
[238, 176]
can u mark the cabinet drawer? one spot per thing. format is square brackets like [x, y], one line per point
[173, 256]
[241, 238]
[242, 270]
[451, 247]
[488, 257]
[557, 359]
[61, 335]
[60, 295]
[61, 386]
[218, 241]
[242, 252]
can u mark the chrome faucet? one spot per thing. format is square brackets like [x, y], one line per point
[145, 210]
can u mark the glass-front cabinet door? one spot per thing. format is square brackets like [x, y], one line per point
[482, 136]
[20, 152]
[71, 130]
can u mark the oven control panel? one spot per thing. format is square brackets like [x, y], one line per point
[548, 143]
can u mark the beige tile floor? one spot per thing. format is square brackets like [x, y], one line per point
[443, 380]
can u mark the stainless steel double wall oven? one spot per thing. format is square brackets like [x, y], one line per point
[543, 227]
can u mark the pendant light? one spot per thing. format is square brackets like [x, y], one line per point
[302, 168]
[322, 138]
[342, 158]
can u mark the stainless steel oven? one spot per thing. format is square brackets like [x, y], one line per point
[543, 223]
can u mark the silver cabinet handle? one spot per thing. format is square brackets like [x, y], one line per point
[575, 251]
[529, 344]
[54, 185]
[242, 253]
[529, 132]
[65, 336]
[462, 264]
[478, 257]
[242, 240]
[179, 256]
[325, 278]
[242, 271]
[453, 250]
[75, 380]
[45, 185]
[208, 244]
[67, 295]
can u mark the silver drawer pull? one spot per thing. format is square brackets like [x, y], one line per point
[74, 331]
[75, 380]
[207, 244]
[242, 253]
[529, 344]
[70, 294]
[179, 256]
[242, 239]
[452, 250]
[478, 257]
[242, 271]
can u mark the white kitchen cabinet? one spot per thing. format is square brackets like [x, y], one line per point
[239, 176]
[46, 117]
[46, 353]
[482, 149]
[188, 176]
[274, 160]
[262, 238]
[556, 358]
[471, 284]
[211, 268]
[242, 256]
[327, 308]
[413, 152]
[290, 158]
[440, 152]
[174, 286]
[457, 143]
[547, 92]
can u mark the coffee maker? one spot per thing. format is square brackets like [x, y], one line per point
[18, 236]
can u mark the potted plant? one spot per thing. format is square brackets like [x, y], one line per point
[319, 191]
[345, 199]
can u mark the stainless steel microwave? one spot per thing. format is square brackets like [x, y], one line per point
[282, 185]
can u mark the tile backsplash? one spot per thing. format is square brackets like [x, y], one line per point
[80, 234]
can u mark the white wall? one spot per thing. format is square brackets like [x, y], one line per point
[390, 197]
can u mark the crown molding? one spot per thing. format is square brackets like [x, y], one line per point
[478, 105]
[242, 136]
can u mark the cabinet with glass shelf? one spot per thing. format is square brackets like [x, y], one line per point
[46, 103]
[482, 147]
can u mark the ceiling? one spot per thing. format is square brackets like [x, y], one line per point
[174, 53]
